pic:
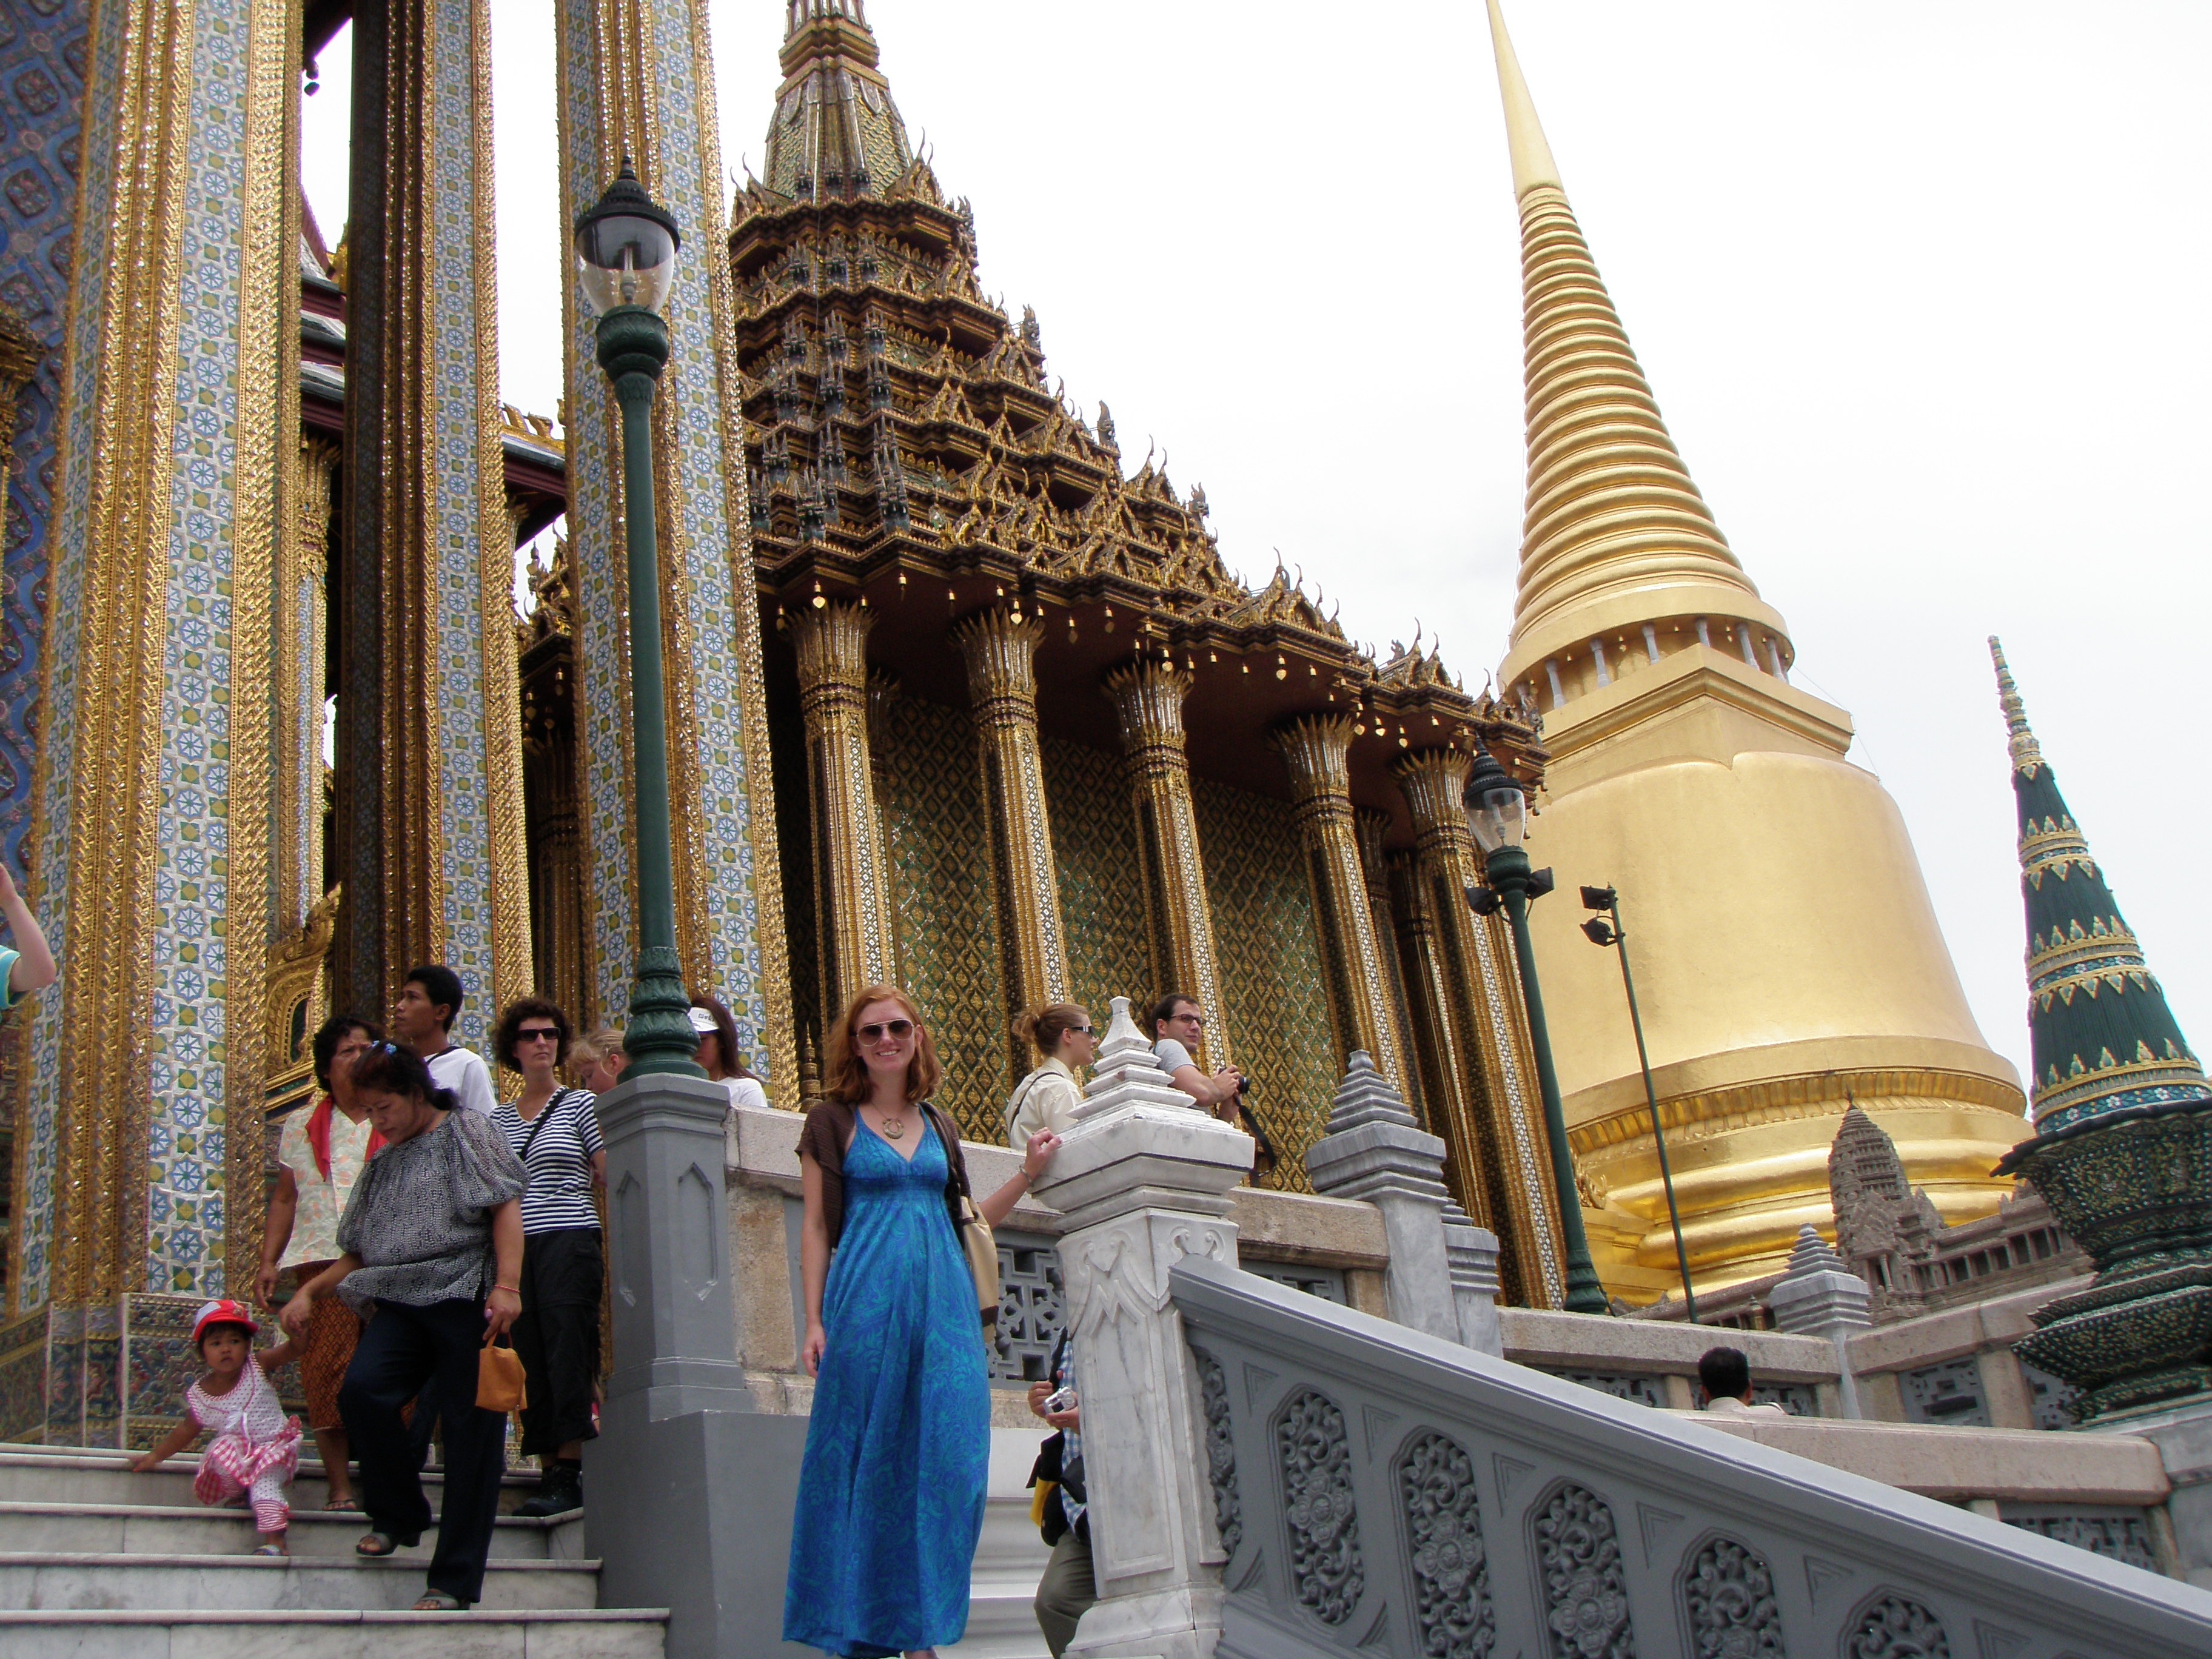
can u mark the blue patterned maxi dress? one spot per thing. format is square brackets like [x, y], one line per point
[898, 1449]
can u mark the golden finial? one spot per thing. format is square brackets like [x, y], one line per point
[1524, 135]
[2026, 753]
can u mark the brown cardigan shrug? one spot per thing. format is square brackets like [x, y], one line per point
[829, 1126]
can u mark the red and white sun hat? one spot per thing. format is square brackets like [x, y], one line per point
[222, 1311]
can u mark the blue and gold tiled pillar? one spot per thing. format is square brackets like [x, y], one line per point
[637, 80]
[139, 1158]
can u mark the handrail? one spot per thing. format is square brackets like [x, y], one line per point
[1380, 1491]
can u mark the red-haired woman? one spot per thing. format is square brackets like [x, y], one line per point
[890, 1492]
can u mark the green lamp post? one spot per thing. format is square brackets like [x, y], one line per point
[1497, 818]
[626, 248]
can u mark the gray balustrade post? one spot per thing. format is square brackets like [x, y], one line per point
[1374, 1150]
[688, 1488]
[1143, 1180]
[1473, 1254]
[1819, 1296]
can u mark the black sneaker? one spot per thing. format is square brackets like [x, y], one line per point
[560, 1490]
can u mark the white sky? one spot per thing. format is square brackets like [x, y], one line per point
[1918, 286]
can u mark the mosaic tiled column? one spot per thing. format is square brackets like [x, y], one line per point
[139, 1161]
[303, 562]
[1370, 827]
[1001, 657]
[852, 870]
[432, 757]
[557, 859]
[636, 79]
[1148, 698]
[1489, 1114]
[1313, 748]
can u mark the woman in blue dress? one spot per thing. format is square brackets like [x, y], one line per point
[898, 1446]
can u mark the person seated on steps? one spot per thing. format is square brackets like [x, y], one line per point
[256, 1449]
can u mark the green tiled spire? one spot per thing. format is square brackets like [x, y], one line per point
[2103, 1040]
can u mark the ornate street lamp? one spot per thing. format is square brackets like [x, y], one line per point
[1497, 818]
[626, 248]
[1600, 931]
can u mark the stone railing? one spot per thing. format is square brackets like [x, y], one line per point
[1378, 1491]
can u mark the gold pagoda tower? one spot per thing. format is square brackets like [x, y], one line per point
[1788, 957]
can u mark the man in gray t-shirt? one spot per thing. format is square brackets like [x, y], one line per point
[1178, 1022]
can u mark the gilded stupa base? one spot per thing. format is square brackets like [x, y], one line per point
[1751, 1163]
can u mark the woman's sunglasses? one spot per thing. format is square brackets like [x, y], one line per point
[536, 1032]
[898, 1028]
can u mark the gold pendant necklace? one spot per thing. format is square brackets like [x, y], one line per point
[894, 1129]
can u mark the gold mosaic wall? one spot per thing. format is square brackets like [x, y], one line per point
[1271, 969]
[1102, 895]
[940, 859]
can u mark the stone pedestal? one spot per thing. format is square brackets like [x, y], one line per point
[1819, 1296]
[2182, 1431]
[689, 1489]
[1144, 1180]
[1473, 1254]
[1374, 1150]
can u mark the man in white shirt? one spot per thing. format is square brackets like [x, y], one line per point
[423, 1018]
[1178, 1025]
[1725, 1374]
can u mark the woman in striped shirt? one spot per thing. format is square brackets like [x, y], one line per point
[556, 1133]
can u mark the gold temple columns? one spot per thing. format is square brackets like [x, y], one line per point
[138, 1162]
[1148, 698]
[1370, 827]
[1001, 658]
[1486, 1108]
[851, 869]
[1313, 748]
[301, 618]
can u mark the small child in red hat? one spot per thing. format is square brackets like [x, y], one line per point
[256, 1449]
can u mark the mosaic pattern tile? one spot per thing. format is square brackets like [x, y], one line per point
[23, 1377]
[463, 356]
[1269, 958]
[1102, 893]
[43, 46]
[940, 863]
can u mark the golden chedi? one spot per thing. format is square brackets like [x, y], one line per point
[1787, 958]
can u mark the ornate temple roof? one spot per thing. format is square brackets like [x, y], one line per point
[2104, 1040]
[1616, 533]
[906, 446]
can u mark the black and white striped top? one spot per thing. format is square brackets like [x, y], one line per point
[560, 1141]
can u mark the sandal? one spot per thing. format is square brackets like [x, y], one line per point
[341, 1506]
[380, 1544]
[272, 1549]
[438, 1601]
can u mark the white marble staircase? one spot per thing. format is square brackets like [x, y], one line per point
[98, 1563]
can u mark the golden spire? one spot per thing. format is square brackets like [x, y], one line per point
[1616, 534]
[2026, 753]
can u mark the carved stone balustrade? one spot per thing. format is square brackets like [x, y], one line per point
[1380, 1492]
[1473, 1253]
[1143, 1180]
[1373, 1150]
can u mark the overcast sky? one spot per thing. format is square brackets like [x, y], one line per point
[1918, 287]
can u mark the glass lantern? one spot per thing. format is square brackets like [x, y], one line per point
[1496, 809]
[626, 248]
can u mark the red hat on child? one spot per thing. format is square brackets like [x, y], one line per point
[222, 1311]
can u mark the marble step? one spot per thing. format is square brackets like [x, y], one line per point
[286, 1633]
[1002, 1624]
[197, 1529]
[77, 1474]
[39, 1580]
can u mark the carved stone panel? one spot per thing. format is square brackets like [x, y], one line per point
[1585, 1596]
[1328, 1573]
[1452, 1609]
[1220, 1451]
[1727, 1596]
[1897, 1627]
